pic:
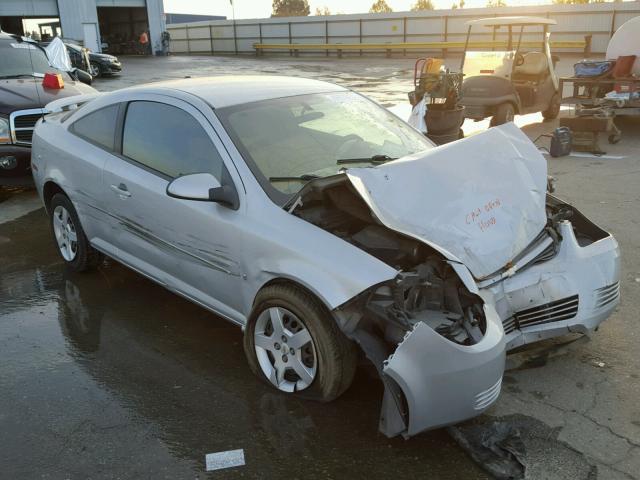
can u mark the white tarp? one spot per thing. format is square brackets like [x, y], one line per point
[416, 119]
[58, 55]
[480, 200]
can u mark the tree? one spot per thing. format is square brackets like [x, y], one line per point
[461, 4]
[496, 3]
[290, 8]
[323, 11]
[422, 5]
[380, 6]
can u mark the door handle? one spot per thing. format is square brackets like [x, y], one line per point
[121, 190]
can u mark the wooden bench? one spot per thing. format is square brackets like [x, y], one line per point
[294, 48]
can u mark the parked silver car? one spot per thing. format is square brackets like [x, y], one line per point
[316, 220]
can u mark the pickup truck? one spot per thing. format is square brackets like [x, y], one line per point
[23, 64]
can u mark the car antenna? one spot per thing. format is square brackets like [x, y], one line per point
[20, 40]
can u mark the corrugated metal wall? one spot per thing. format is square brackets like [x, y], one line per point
[28, 8]
[574, 22]
[73, 13]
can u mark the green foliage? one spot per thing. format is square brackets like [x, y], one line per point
[380, 6]
[422, 5]
[290, 8]
[496, 3]
[322, 11]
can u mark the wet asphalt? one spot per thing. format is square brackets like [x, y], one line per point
[107, 375]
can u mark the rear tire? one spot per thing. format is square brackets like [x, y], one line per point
[504, 113]
[333, 356]
[72, 243]
[553, 110]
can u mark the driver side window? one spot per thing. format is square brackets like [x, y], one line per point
[168, 140]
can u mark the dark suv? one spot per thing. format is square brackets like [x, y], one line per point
[23, 64]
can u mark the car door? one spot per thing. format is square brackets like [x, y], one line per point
[192, 247]
[90, 146]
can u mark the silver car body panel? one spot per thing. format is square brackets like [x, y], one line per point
[221, 258]
[471, 375]
[479, 201]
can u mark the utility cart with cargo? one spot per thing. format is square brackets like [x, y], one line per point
[512, 77]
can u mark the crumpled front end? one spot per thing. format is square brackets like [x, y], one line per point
[439, 349]
[573, 291]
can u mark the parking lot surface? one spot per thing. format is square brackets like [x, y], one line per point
[107, 375]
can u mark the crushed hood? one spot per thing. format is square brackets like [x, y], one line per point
[480, 200]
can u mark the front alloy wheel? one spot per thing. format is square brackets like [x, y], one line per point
[294, 344]
[285, 350]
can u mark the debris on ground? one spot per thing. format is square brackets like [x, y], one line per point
[518, 447]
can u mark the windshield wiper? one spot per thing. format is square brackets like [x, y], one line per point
[375, 159]
[302, 178]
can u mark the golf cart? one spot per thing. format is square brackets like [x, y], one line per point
[509, 78]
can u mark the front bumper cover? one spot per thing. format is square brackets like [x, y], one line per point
[573, 292]
[443, 382]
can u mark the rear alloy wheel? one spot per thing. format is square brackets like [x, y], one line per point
[504, 114]
[553, 110]
[72, 243]
[293, 344]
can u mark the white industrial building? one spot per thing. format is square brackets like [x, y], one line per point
[118, 23]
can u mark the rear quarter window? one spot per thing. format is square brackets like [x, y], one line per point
[98, 127]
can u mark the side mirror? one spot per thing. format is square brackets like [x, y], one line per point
[82, 76]
[203, 187]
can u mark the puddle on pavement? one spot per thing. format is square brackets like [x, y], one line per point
[108, 373]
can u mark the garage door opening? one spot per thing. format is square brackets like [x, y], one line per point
[36, 28]
[121, 28]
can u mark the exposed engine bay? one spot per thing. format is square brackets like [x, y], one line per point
[426, 290]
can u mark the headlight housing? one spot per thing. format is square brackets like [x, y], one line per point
[5, 134]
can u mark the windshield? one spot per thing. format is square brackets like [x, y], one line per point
[495, 63]
[16, 59]
[288, 141]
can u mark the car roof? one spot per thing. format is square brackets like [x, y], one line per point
[497, 21]
[225, 91]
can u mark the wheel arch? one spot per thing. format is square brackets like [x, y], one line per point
[281, 280]
[49, 189]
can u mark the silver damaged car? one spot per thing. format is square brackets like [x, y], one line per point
[322, 225]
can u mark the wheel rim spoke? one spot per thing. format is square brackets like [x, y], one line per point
[262, 341]
[276, 321]
[299, 340]
[72, 236]
[305, 373]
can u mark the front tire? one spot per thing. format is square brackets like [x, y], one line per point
[294, 345]
[73, 246]
[504, 113]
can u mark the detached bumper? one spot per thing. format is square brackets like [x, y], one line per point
[573, 292]
[444, 382]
